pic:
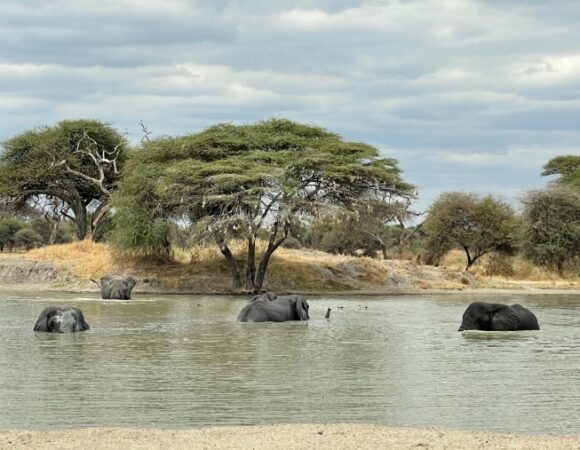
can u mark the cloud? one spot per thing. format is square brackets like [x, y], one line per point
[466, 94]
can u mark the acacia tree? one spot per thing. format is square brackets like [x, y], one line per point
[74, 165]
[477, 224]
[366, 226]
[249, 181]
[551, 226]
[568, 169]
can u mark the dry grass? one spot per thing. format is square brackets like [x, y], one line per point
[204, 269]
[522, 272]
[84, 259]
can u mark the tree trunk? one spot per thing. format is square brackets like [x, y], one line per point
[98, 217]
[469, 260]
[251, 265]
[384, 251]
[263, 266]
[54, 226]
[233, 265]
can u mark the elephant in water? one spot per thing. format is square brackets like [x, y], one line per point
[269, 307]
[116, 287]
[497, 317]
[61, 319]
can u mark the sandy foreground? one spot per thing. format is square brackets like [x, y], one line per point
[338, 436]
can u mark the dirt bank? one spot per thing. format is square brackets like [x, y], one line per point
[277, 437]
[70, 267]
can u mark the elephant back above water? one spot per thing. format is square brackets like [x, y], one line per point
[117, 287]
[497, 317]
[61, 319]
[275, 308]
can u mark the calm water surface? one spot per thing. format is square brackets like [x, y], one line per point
[178, 361]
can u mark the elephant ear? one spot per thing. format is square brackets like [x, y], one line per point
[302, 309]
[131, 282]
[503, 318]
[42, 322]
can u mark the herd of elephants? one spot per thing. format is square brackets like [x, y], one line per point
[269, 307]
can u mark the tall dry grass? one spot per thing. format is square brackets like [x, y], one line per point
[84, 259]
[297, 269]
[521, 269]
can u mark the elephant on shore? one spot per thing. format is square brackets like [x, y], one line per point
[269, 307]
[116, 287]
[61, 319]
[497, 317]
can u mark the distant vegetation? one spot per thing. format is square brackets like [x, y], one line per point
[267, 185]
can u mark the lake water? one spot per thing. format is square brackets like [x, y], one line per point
[183, 361]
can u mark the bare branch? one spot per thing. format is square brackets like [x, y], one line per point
[146, 133]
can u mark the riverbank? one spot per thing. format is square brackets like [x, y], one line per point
[70, 268]
[279, 437]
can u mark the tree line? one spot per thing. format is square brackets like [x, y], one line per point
[276, 181]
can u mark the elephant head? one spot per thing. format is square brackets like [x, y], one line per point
[61, 319]
[116, 287]
[497, 317]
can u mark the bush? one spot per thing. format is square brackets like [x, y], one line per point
[499, 264]
[551, 227]
[28, 238]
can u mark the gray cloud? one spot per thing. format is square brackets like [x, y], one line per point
[468, 95]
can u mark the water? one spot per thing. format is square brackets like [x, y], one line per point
[161, 361]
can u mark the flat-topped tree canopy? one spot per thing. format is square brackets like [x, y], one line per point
[246, 179]
[76, 161]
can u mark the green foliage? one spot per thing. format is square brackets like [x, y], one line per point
[27, 238]
[476, 224]
[41, 226]
[39, 164]
[568, 169]
[551, 227]
[246, 181]
[141, 221]
[8, 228]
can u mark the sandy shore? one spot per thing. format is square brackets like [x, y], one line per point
[274, 437]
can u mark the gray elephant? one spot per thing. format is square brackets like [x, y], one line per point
[269, 307]
[116, 287]
[497, 317]
[61, 319]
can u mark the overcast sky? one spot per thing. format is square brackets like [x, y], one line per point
[467, 95]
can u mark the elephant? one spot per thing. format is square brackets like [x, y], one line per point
[497, 317]
[116, 287]
[279, 309]
[61, 319]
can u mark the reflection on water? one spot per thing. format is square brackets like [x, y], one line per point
[185, 362]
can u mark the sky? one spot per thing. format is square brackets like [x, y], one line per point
[470, 96]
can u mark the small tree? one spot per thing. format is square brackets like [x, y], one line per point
[551, 226]
[478, 225]
[27, 238]
[8, 228]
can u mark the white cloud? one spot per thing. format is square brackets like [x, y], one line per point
[461, 91]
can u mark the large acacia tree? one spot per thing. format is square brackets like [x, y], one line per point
[75, 164]
[246, 181]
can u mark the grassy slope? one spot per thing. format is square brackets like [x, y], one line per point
[203, 270]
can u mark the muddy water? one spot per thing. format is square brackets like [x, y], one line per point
[161, 361]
